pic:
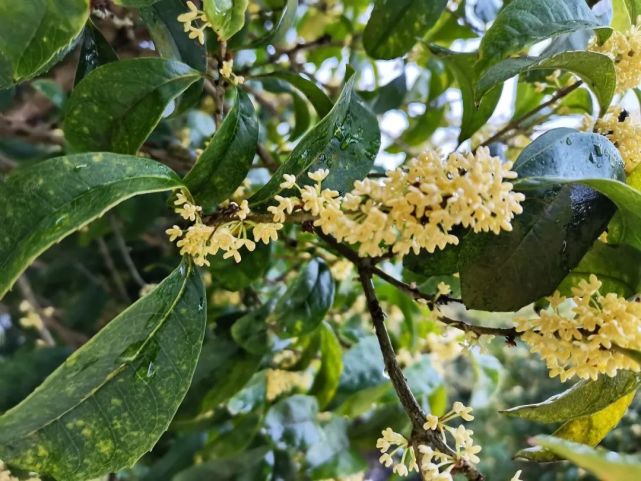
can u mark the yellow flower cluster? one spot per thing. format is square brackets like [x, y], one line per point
[412, 208]
[189, 17]
[624, 132]
[5, 474]
[227, 72]
[280, 381]
[625, 50]
[31, 319]
[582, 345]
[435, 465]
[201, 240]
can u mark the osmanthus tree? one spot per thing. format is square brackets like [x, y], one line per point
[283, 307]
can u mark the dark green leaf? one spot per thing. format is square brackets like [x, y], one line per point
[332, 456]
[250, 331]
[99, 120]
[319, 99]
[304, 305]
[329, 374]
[396, 25]
[608, 466]
[558, 226]
[36, 34]
[94, 52]
[302, 117]
[584, 398]
[252, 465]
[172, 42]
[462, 66]
[292, 422]
[618, 267]
[595, 69]
[441, 262]
[285, 22]
[391, 95]
[345, 141]
[224, 164]
[422, 127]
[136, 371]
[363, 366]
[524, 22]
[226, 17]
[42, 204]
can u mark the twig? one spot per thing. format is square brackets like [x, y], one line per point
[124, 251]
[111, 267]
[516, 123]
[268, 161]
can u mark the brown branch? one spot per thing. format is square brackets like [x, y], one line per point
[124, 252]
[516, 123]
[111, 267]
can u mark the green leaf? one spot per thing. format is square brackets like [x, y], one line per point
[172, 42]
[224, 164]
[42, 204]
[606, 465]
[345, 141]
[250, 331]
[94, 52]
[292, 422]
[391, 95]
[319, 99]
[304, 305]
[36, 34]
[226, 17]
[588, 430]
[557, 227]
[441, 262]
[422, 127]
[524, 22]
[135, 3]
[616, 266]
[99, 120]
[302, 117]
[363, 367]
[252, 465]
[333, 456]
[329, 374]
[109, 403]
[586, 397]
[463, 68]
[396, 25]
[595, 69]
[286, 20]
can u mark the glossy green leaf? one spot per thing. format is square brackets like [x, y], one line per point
[286, 20]
[172, 42]
[558, 226]
[224, 164]
[464, 70]
[94, 52]
[36, 34]
[292, 422]
[396, 25]
[250, 331]
[226, 17]
[588, 430]
[524, 22]
[329, 374]
[363, 366]
[98, 120]
[618, 267]
[345, 141]
[595, 69]
[584, 398]
[441, 262]
[109, 403]
[302, 117]
[319, 99]
[391, 95]
[606, 465]
[304, 305]
[42, 204]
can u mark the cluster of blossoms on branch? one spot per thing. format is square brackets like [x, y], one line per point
[624, 131]
[188, 19]
[414, 207]
[584, 344]
[624, 48]
[435, 465]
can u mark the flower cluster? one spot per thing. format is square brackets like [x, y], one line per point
[201, 240]
[624, 132]
[625, 50]
[227, 72]
[5, 474]
[280, 381]
[188, 19]
[582, 345]
[31, 319]
[435, 465]
[412, 208]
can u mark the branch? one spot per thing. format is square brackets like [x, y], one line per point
[124, 252]
[516, 123]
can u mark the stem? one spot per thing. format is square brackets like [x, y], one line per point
[124, 251]
[516, 123]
